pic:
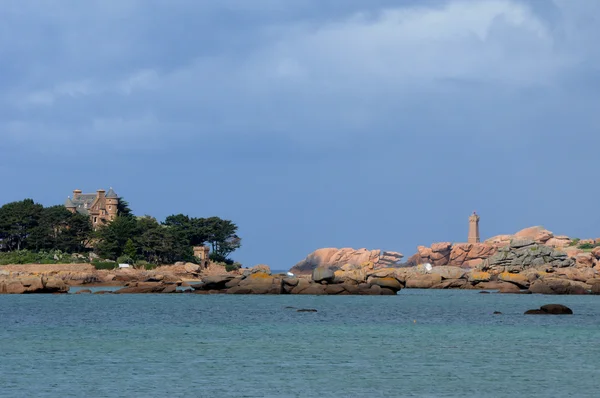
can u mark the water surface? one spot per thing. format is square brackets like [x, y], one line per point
[420, 343]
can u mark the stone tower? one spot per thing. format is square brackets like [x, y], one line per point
[202, 254]
[473, 228]
[112, 204]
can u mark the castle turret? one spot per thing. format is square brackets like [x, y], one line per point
[112, 204]
[473, 228]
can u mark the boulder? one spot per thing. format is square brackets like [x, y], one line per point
[192, 268]
[261, 283]
[479, 276]
[537, 234]
[239, 290]
[517, 279]
[258, 268]
[558, 286]
[492, 285]
[551, 309]
[322, 274]
[32, 284]
[450, 284]
[386, 282]
[147, 287]
[302, 285]
[424, 281]
[499, 240]
[312, 288]
[234, 282]
[54, 285]
[507, 287]
[596, 252]
[576, 274]
[585, 260]
[334, 289]
[350, 276]
[558, 241]
[214, 282]
[369, 290]
[291, 281]
[449, 272]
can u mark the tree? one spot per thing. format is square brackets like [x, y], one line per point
[60, 229]
[123, 208]
[130, 250]
[112, 237]
[193, 230]
[164, 243]
[222, 237]
[18, 221]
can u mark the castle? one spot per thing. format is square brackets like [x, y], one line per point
[101, 207]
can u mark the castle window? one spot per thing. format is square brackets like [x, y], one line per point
[95, 219]
[109, 207]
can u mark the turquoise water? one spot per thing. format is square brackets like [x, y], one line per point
[420, 343]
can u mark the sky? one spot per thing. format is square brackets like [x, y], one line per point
[379, 124]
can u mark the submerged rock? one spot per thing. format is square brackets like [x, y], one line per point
[551, 309]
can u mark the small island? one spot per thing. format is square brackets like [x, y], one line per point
[95, 240]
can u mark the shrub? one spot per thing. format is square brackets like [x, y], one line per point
[217, 258]
[104, 264]
[29, 257]
[149, 266]
[585, 246]
[125, 260]
[233, 266]
[574, 242]
[141, 264]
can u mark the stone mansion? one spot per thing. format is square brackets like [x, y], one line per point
[101, 206]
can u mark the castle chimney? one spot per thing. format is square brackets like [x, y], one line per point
[76, 193]
[101, 193]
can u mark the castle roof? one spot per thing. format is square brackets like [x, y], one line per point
[83, 202]
[112, 194]
[69, 203]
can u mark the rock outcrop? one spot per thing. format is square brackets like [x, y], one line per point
[336, 258]
[521, 254]
[352, 279]
[537, 234]
[469, 255]
[460, 254]
[31, 284]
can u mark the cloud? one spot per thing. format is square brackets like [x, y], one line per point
[311, 79]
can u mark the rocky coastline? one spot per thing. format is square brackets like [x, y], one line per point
[531, 261]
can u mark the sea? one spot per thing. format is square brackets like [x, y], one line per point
[419, 343]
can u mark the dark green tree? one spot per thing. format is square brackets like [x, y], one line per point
[18, 220]
[60, 229]
[193, 230]
[164, 243]
[112, 237]
[123, 208]
[130, 250]
[222, 237]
